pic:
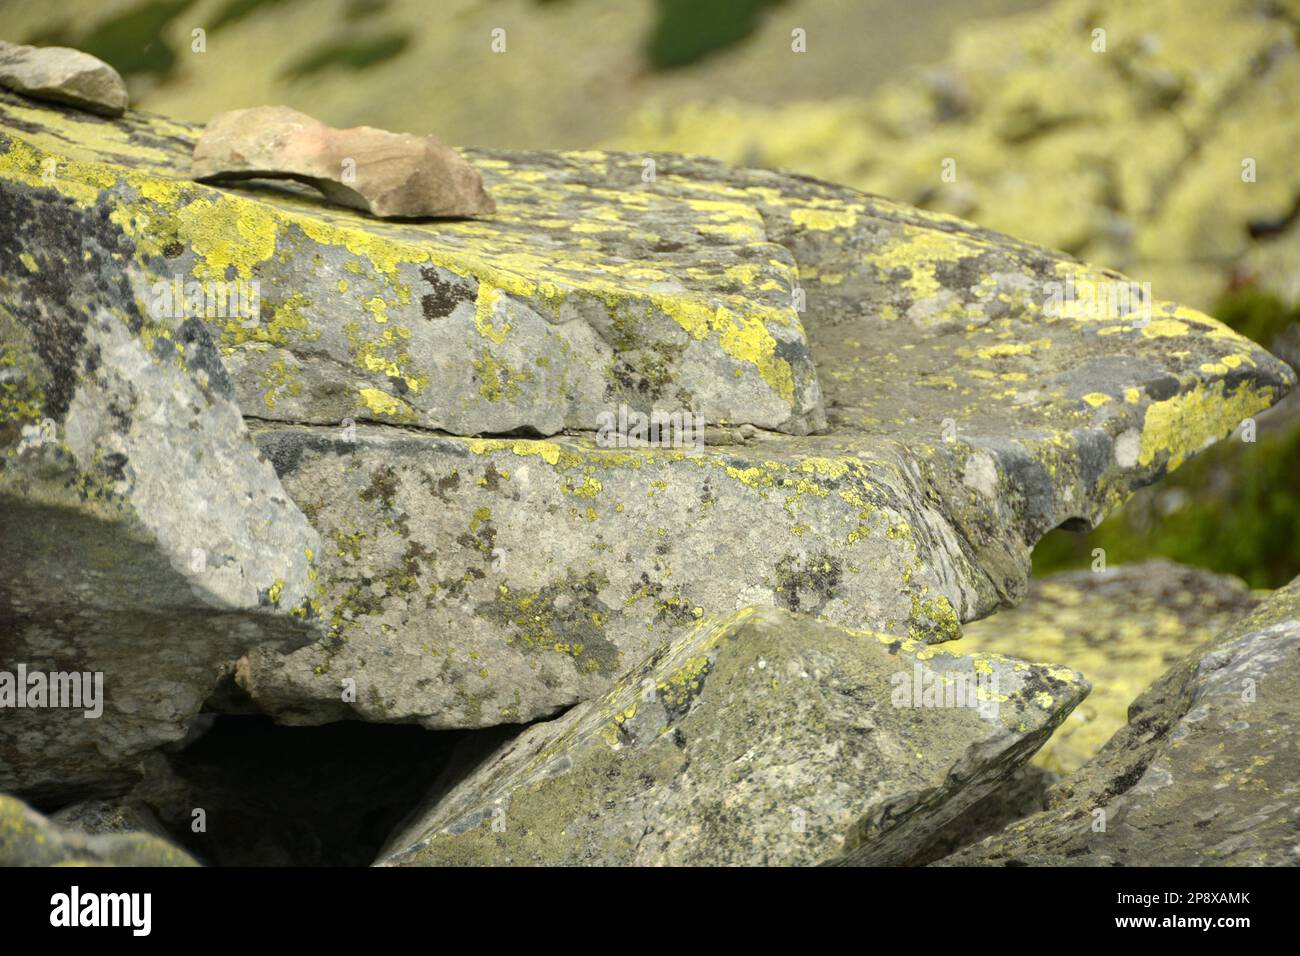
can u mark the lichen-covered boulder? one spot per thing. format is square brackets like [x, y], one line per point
[588, 289]
[1121, 628]
[467, 580]
[1206, 772]
[29, 839]
[762, 737]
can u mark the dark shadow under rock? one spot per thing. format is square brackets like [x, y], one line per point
[306, 796]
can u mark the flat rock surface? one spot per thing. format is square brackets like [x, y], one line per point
[391, 175]
[467, 580]
[1206, 772]
[587, 290]
[64, 76]
[763, 737]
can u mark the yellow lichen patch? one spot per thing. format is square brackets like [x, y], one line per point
[919, 251]
[1184, 424]
[385, 405]
[1097, 399]
[1005, 350]
[824, 219]
[227, 233]
[1164, 328]
[485, 308]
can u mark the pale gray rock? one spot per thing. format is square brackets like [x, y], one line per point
[64, 76]
[29, 839]
[471, 573]
[147, 544]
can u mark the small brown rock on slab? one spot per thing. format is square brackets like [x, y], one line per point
[63, 75]
[390, 175]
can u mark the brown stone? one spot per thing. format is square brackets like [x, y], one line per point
[390, 175]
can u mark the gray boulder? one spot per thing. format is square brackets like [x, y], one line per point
[762, 737]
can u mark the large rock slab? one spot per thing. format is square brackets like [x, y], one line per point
[1122, 628]
[1206, 772]
[588, 290]
[468, 580]
[762, 737]
[64, 76]
[391, 175]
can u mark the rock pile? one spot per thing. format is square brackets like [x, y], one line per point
[260, 454]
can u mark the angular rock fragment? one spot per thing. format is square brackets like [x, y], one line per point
[390, 175]
[147, 545]
[29, 839]
[1206, 772]
[64, 76]
[764, 737]
[1121, 628]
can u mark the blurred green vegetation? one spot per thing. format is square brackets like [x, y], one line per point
[687, 31]
[132, 41]
[352, 53]
[1235, 508]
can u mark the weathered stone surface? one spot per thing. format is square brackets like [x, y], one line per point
[589, 289]
[1206, 772]
[760, 737]
[469, 581]
[64, 76]
[1121, 628]
[1052, 420]
[29, 839]
[144, 537]
[391, 175]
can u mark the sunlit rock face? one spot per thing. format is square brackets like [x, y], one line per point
[401, 450]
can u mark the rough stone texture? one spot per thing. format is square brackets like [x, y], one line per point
[98, 817]
[469, 581]
[1121, 628]
[763, 737]
[391, 175]
[64, 76]
[1016, 797]
[29, 839]
[1206, 772]
[587, 290]
[144, 536]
